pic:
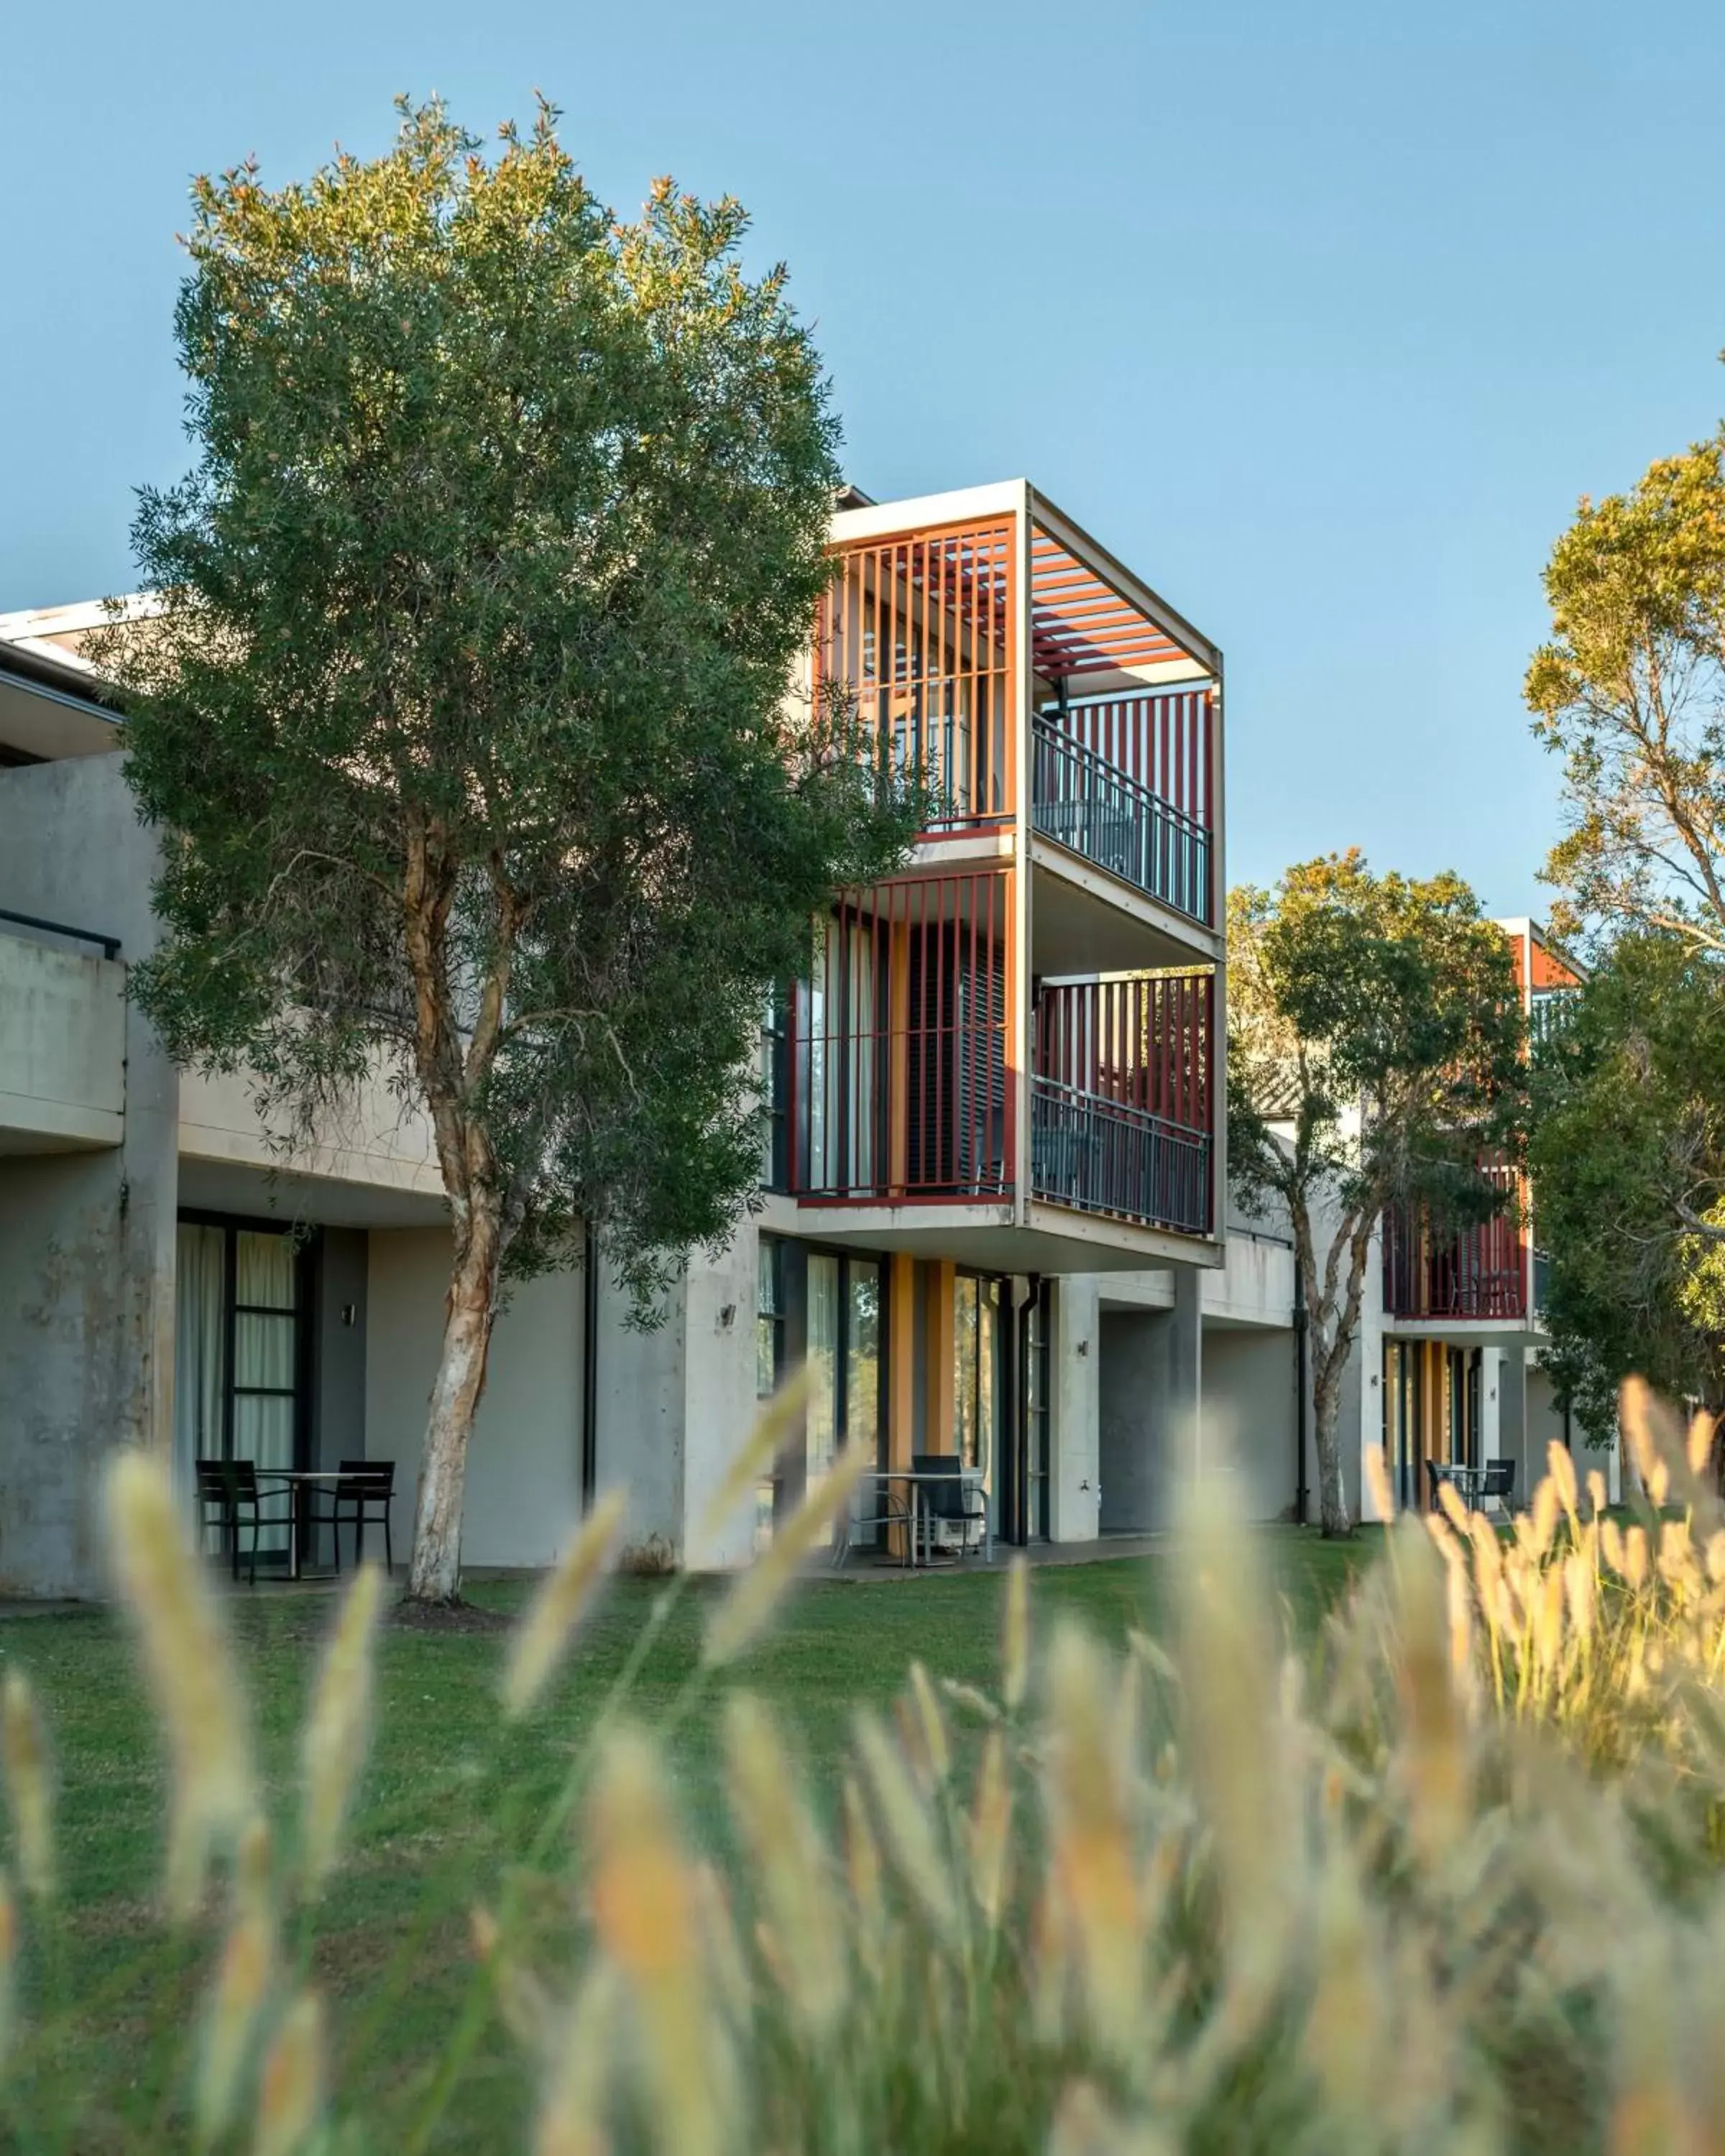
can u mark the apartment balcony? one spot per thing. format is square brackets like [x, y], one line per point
[930, 1088]
[62, 1039]
[1477, 1280]
[1061, 715]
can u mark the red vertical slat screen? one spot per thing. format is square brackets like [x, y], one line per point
[1122, 1095]
[1160, 740]
[917, 630]
[1480, 1271]
[1126, 782]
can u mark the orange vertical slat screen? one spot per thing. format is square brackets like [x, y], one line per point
[931, 677]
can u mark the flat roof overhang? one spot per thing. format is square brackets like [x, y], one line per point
[1051, 1239]
[1084, 921]
[301, 1200]
[1468, 1332]
[39, 721]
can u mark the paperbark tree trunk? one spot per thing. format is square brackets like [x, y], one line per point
[435, 1574]
[1332, 1484]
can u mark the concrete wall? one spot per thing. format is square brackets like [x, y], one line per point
[338, 1377]
[1134, 1448]
[376, 1139]
[675, 1404]
[62, 1379]
[62, 1045]
[641, 1394]
[524, 1469]
[1076, 1363]
[86, 1243]
[720, 1406]
[1248, 1425]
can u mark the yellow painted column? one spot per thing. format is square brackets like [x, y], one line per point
[937, 1401]
[901, 1359]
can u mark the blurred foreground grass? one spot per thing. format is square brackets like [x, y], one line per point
[447, 1790]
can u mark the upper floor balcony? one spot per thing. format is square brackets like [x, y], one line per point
[1481, 1273]
[1060, 713]
[62, 1037]
[928, 1079]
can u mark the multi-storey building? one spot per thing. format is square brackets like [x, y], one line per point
[1462, 1381]
[993, 1215]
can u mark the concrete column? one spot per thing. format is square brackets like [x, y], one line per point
[1074, 1350]
[1512, 1386]
[1182, 1416]
[1493, 1385]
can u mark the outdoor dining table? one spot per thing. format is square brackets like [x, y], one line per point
[1469, 1481]
[922, 1520]
[300, 1482]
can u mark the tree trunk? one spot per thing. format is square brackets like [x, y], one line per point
[435, 1573]
[1331, 1487]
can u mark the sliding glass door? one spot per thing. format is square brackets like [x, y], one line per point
[239, 1350]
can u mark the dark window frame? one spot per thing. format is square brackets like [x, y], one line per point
[307, 1252]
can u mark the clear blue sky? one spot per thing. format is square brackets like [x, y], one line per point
[1323, 316]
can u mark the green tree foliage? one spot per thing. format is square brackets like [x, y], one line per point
[1631, 692]
[467, 704]
[1375, 1057]
[1627, 1154]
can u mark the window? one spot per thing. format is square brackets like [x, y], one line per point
[769, 1316]
[822, 1308]
[239, 1358]
[1037, 1411]
[775, 1155]
[978, 1339]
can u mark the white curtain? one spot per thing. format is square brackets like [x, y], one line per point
[823, 1417]
[199, 1344]
[266, 1337]
[860, 1020]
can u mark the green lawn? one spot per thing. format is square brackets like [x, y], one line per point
[448, 1798]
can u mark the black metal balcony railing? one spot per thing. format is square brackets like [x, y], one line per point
[1113, 819]
[1477, 1273]
[109, 944]
[1102, 1156]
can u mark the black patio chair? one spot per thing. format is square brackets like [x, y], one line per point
[947, 1495]
[231, 1487]
[362, 1497]
[1499, 1482]
[1438, 1471]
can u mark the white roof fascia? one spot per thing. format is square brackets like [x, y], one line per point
[963, 506]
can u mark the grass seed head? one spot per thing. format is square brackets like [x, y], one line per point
[937, 1752]
[243, 1977]
[571, 2114]
[1092, 1859]
[774, 1425]
[750, 1606]
[793, 1875]
[29, 1786]
[290, 2087]
[337, 1728]
[647, 1911]
[190, 1667]
[988, 1830]
[1233, 1739]
[1015, 1636]
[562, 1600]
[906, 1826]
[8, 1971]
